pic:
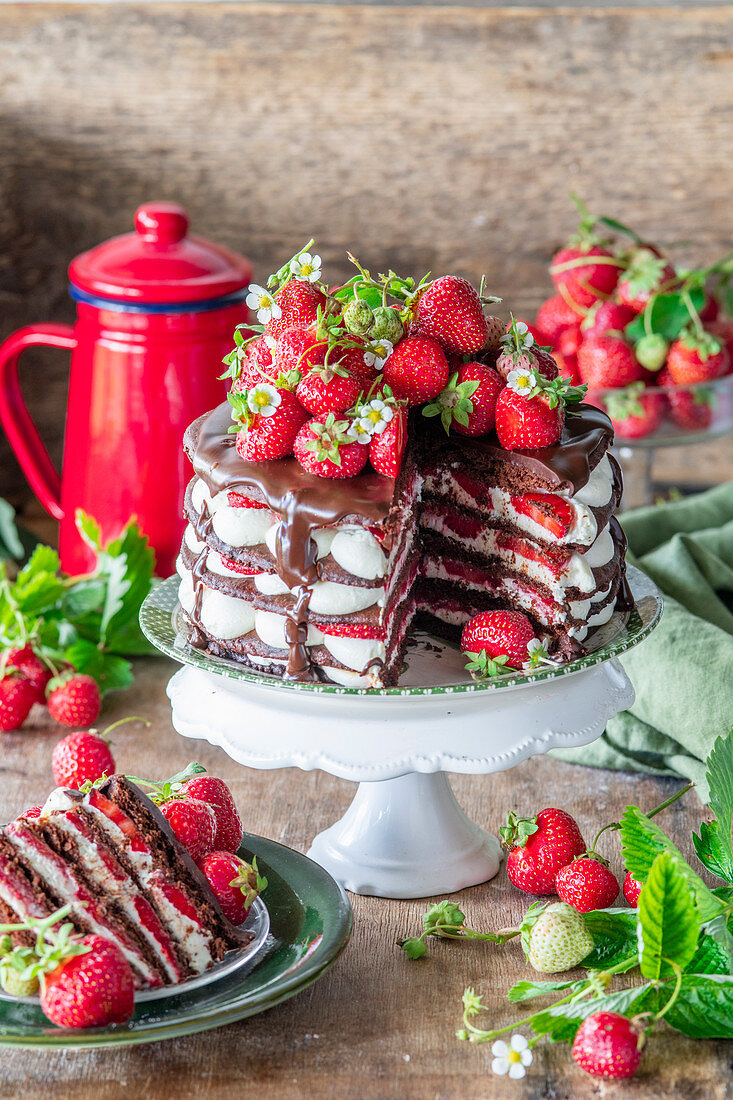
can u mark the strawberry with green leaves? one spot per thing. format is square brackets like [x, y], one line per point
[634, 412]
[267, 419]
[85, 981]
[607, 362]
[530, 410]
[500, 641]
[329, 448]
[26, 661]
[328, 388]
[539, 847]
[520, 352]
[607, 1044]
[586, 269]
[234, 883]
[696, 356]
[647, 274]
[468, 403]
[214, 791]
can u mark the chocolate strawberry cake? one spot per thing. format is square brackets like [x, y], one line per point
[390, 456]
[111, 855]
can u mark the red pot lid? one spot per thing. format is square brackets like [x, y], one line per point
[160, 262]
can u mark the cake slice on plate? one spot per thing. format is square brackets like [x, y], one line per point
[111, 855]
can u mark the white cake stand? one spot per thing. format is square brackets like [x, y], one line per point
[404, 835]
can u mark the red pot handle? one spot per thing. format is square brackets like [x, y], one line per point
[19, 428]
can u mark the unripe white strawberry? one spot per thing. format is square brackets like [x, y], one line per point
[559, 939]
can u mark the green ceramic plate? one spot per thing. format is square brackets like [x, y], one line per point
[433, 666]
[310, 924]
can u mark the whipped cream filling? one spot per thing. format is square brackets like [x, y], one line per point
[598, 489]
[577, 573]
[600, 617]
[352, 547]
[223, 616]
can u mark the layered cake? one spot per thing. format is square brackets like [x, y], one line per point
[356, 484]
[113, 858]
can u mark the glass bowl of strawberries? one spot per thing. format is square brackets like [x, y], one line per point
[652, 341]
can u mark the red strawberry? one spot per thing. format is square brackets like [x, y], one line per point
[495, 329]
[236, 500]
[326, 449]
[527, 422]
[636, 415]
[585, 274]
[555, 315]
[299, 302]
[31, 813]
[352, 630]
[352, 361]
[298, 349]
[257, 365]
[608, 1045]
[234, 883]
[632, 889]
[691, 409]
[328, 389]
[194, 824]
[17, 696]
[567, 367]
[607, 315]
[237, 567]
[33, 668]
[539, 848]
[549, 510]
[570, 340]
[499, 634]
[216, 794]
[417, 370]
[74, 699]
[482, 416]
[648, 273]
[605, 362]
[450, 311]
[273, 436]
[387, 449]
[696, 358]
[93, 989]
[80, 758]
[587, 883]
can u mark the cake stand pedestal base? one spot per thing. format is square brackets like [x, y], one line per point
[407, 838]
[404, 835]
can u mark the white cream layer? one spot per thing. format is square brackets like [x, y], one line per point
[353, 547]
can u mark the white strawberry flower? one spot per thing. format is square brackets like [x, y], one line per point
[263, 302]
[306, 267]
[537, 652]
[263, 399]
[527, 337]
[270, 341]
[522, 381]
[512, 1058]
[378, 353]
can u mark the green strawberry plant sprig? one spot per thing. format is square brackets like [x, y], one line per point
[89, 621]
[671, 959]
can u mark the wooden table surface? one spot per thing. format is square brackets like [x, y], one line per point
[377, 1026]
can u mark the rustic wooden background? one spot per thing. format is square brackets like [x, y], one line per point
[425, 137]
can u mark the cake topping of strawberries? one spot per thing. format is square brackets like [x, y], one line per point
[468, 402]
[266, 421]
[387, 448]
[328, 448]
[417, 370]
[450, 310]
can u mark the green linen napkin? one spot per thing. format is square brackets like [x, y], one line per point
[682, 673]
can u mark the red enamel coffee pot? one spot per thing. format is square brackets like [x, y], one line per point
[156, 310]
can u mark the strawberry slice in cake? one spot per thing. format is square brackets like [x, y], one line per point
[465, 476]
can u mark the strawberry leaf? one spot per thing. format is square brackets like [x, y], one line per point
[714, 846]
[703, 1008]
[666, 314]
[668, 921]
[561, 1023]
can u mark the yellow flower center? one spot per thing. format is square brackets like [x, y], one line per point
[306, 269]
[265, 301]
[374, 415]
[262, 399]
[514, 1056]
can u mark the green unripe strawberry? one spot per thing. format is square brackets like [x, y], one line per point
[387, 325]
[651, 351]
[559, 939]
[358, 317]
[16, 985]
